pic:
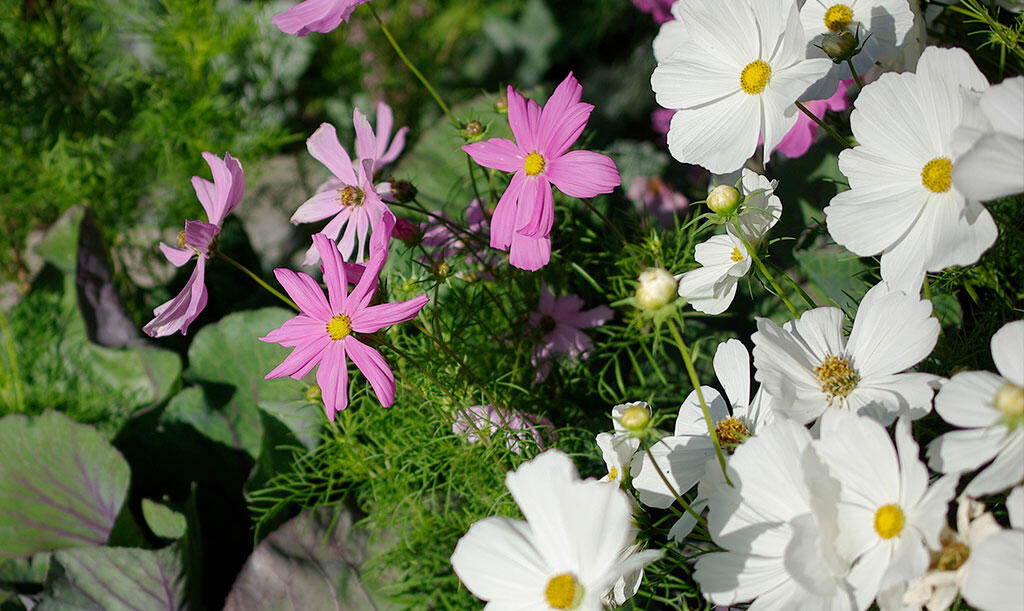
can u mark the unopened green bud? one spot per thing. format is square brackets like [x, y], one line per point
[403, 191]
[474, 128]
[501, 105]
[636, 417]
[724, 199]
[840, 46]
[657, 287]
[312, 393]
[441, 269]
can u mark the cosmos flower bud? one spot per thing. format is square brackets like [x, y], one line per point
[407, 231]
[840, 46]
[313, 393]
[636, 417]
[657, 287]
[724, 199]
[403, 191]
[501, 105]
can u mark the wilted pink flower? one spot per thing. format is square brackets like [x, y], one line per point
[218, 198]
[560, 320]
[515, 426]
[798, 140]
[315, 16]
[324, 331]
[407, 231]
[376, 146]
[658, 9]
[525, 213]
[447, 243]
[654, 196]
[350, 197]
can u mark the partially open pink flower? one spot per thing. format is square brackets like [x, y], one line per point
[658, 9]
[540, 157]
[324, 332]
[315, 16]
[655, 197]
[516, 427]
[561, 319]
[349, 197]
[218, 198]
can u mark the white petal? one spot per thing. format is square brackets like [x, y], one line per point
[1008, 351]
[496, 560]
[1006, 470]
[732, 366]
[996, 580]
[720, 136]
[892, 332]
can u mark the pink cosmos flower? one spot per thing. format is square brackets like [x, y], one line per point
[540, 157]
[798, 140]
[349, 197]
[654, 196]
[560, 320]
[324, 332]
[375, 146]
[447, 243]
[516, 427]
[218, 198]
[315, 16]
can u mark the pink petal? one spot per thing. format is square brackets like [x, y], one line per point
[375, 368]
[303, 358]
[178, 313]
[177, 256]
[397, 144]
[200, 235]
[324, 146]
[228, 183]
[206, 192]
[334, 272]
[305, 292]
[315, 16]
[583, 173]
[366, 141]
[519, 121]
[503, 221]
[563, 118]
[299, 330]
[590, 318]
[331, 230]
[536, 212]
[529, 253]
[547, 299]
[375, 318]
[498, 153]
[332, 377]
[317, 208]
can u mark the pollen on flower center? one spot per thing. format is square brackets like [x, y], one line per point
[755, 77]
[736, 255]
[888, 521]
[351, 196]
[534, 164]
[547, 324]
[838, 16]
[837, 378]
[935, 175]
[1009, 399]
[339, 326]
[181, 239]
[731, 432]
[613, 474]
[564, 591]
[952, 556]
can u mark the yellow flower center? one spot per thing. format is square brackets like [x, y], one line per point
[935, 175]
[888, 521]
[837, 378]
[1010, 400]
[339, 326]
[181, 239]
[613, 474]
[731, 433]
[952, 556]
[564, 591]
[838, 16]
[351, 196]
[736, 255]
[534, 164]
[755, 77]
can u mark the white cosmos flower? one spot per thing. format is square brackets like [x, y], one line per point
[568, 554]
[809, 368]
[777, 525]
[888, 515]
[732, 72]
[881, 24]
[996, 580]
[724, 259]
[902, 202]
[992, 164]
[951, 563]
[684, 456]
[989, 409]
[616, 454]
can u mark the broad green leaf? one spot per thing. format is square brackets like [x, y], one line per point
[947, 309]
[114, 578]
[31, 569]
[61, 484]
[235, 424]
[162, 520]
[837, 274]
[60, 245]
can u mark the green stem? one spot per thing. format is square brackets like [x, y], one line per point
[822, 125]
[856, 77]
[12, 359]
[764, 271]
[259, 281]
[686, 506]
[415, 70]
[463, 367]
[605, 220]
[796, 287]
[688, 362]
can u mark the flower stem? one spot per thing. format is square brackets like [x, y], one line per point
[259, 281]
[12, 369]
[679, 499]
[822, 125]
[764, 271]
[799, 289]
[605, 220]
[463, 367]
[415, 70]
[856, 77]
[688, 362]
